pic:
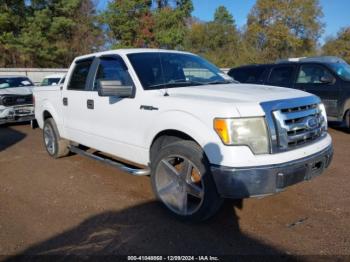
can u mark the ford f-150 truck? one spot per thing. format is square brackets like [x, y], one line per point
[174, 116]
[16, 101]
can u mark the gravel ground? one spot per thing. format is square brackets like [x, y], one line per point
[76, 205]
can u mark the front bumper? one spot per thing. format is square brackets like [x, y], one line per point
[265, 180]
[17, 114]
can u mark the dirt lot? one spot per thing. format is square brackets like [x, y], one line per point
[75, 205]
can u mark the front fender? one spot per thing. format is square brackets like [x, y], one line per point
[203, 133]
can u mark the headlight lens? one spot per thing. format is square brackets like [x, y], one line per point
[324, 114]
[251, 132]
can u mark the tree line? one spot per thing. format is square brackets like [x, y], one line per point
[50, 33]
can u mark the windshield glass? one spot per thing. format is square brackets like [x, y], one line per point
[342, 70]
[158, 70]
[14, 82]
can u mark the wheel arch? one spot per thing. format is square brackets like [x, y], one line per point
[47, 110]
[167, 136]
[346, 107]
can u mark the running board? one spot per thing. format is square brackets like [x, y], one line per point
[118, 165]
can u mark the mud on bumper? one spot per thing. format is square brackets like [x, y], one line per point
[266, 180]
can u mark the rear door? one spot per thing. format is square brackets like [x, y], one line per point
[74, 100]
[282, 75]
[311, 78]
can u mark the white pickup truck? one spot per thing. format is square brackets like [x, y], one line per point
[174, 116]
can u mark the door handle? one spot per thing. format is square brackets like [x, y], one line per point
[65, 101]
[90, 104]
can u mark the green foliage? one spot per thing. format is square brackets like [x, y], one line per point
[130, 23]
[218, 40]
[170, 24]
[50, 33]
[339, 46]
[135, 23]
[284, 28]
[12, 20]
[47, 33]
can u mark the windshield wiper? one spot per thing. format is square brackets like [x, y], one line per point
[175, 83]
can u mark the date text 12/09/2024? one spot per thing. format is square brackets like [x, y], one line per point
[173, 258]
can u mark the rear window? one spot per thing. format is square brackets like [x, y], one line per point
[249, 75]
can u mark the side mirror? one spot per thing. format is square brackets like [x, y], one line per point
[327, 79]
[114, 88]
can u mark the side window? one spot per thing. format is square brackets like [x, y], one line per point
[281, 76]
[113, 68]
[249, 75]
[313, 74]
[79, 76]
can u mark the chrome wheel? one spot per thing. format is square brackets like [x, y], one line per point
[49, 139]
[179, 185]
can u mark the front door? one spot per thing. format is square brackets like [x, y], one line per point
[116, 121]
[318, 80]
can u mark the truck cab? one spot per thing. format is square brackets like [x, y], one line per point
[200, 135]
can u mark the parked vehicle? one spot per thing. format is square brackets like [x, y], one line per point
[326, 77]
[55, 79]
[16, 101]
[177, 117]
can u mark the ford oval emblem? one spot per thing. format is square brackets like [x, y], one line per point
[312, 122]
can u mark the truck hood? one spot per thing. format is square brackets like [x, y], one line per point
[245, 98]
[23, 90]
[238, 93]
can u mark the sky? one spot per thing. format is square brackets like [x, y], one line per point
[336, 12]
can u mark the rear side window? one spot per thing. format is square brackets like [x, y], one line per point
[249, 75]
[80, 75]
[281, 76]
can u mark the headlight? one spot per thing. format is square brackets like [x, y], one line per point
[324, 114]
[251, 132]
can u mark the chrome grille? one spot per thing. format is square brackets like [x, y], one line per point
[298, 125]
[294, 122]
[12, 100]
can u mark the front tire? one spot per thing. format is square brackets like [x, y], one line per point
[347, 120]
[182, 181]
[54, 144]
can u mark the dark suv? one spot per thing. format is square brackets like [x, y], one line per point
[326, 77]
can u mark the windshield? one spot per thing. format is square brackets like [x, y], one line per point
[342, 70]
[14, 82]
[158, 70]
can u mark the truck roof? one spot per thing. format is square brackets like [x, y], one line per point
[130, 51]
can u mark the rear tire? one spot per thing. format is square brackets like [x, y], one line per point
[182, 181]
[55, 146]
